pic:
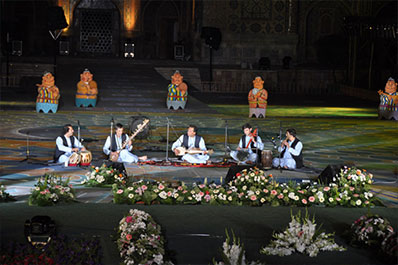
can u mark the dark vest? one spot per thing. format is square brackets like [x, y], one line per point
[58, 152]
[244, 142]
[113, 142]
[185, 141]
[299, 158]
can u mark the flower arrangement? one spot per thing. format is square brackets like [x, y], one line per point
[60, 250]
[301, 236]
[103, 176]
[5, 196]
[139, 239]
[370, 230]
[233, 252]
[50, 190]
[253, 187]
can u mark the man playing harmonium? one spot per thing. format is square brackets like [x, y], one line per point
[191, 146]
[249, 142]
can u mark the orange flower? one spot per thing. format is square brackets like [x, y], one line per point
[129, 237]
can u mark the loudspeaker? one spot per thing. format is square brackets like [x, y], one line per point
[212, 36]
[235, 169]
[331, 171]
[56, 18]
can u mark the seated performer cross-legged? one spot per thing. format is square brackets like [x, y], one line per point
[192, 142]
[246, 144]
[293, 158]
[115, 144]
[66, 145]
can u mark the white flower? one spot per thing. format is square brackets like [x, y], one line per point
[131, 195]
[330, 199]
[358, 202]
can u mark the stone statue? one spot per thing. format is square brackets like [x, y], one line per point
[48, 97]
[258, 99]
[178, 92]
[87, 90]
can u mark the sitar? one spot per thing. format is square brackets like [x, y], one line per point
[182, 151]
[114, 156]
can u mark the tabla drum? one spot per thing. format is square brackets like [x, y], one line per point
[85, 158]
[266, 159]
[74, 160]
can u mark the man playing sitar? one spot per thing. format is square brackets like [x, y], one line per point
[119, 145]
[191, 146]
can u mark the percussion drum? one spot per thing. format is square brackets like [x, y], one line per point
[266, 159]
[74, 160]
[85, 158]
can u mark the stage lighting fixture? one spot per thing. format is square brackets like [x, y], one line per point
[39, 230]
[129, 50]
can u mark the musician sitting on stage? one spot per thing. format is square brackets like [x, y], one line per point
[116, 143]
[66, 145]
[247, 143]
[293, 158]
[192, 142]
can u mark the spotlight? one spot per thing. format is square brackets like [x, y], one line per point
[39, 230]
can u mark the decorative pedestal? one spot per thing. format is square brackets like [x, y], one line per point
[388, 114]
[257, 112]
[46, 107]
[86, 102]
[176, 104]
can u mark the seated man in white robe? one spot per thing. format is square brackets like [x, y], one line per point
[115, 144]
[246, 145]
[194, 143]
[66, 145]
[291, 152]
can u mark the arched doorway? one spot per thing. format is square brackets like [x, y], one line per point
[161, 29]
[96, 27]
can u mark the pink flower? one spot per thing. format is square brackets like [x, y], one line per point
[301, 191]
[352, 188]
[201, 194]
[304, 201]
[338, 199]
[253, 197]
[129, 219]
[207, 197]
[274, 192]
[280, 196]
[43, 192]
[299, 234]
[356, 195]
[326, 188]
[169, 193]
[366, 202]
[265, 190]
[119, 191]
[129, 237]
[311, 198]
[202, 186]
[160, 187]
[143, 187]
[179, 188]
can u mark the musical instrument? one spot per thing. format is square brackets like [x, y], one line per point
[85, 158]
[242, 155]
[74, 160]
[266, 159]
[114, 156]
[253, 134]
[182, 151]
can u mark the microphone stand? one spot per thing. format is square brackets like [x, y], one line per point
[167, 139]
[280, 138]
[257, 158]
[226, 155]
[28, 157]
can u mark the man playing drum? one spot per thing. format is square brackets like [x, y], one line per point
[191, 142]
[245, 153]
[114, 144]
[66, 145]
[291, 152]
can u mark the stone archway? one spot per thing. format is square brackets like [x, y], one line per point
[161, 29]
[96, 27]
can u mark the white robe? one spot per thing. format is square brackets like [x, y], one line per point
[196, 158]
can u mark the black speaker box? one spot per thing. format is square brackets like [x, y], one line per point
[331, 171]
[56, 18]
[235, 169]
[212, 36]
